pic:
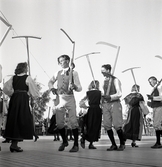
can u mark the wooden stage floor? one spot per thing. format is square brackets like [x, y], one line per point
[43, 153]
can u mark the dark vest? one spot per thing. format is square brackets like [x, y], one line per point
[63, 83]
[156, 103]
[112, 88]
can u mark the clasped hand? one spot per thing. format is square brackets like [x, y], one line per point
[72, 86]
[107, 98]
[150, 97]
[54, 91]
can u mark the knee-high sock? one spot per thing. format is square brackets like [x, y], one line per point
[111, 136]
[161, 132]
[70, 133]
[158, 133]
[63, 135]
[75, 133]
[121, 136]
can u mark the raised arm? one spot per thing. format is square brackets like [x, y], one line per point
[8, 88]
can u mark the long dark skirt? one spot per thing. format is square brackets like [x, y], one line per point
[132, 125]
[19, 124]
[93, 120]
[53, 127]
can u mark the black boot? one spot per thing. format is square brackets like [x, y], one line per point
[64, 139]
[63, 135]
[111, 137]
[14, 147]
[121, 138]
[75, 148]
[158, 143]
[91, 146]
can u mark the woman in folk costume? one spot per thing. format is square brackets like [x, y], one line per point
[134, 123]
[93, 117]
[19, 124]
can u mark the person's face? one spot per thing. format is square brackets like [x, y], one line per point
[27, 69]
[152, 82]
[63, 62]
[105, 73]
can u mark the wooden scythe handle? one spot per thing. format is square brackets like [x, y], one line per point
[113, 70]
[72, 58]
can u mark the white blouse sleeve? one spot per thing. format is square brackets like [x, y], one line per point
[84, 102]
[8, 88]
[77, 81]
[33, 89]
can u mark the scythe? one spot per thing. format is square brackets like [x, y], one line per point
[89, 63]
[113, 69]
[72, 58]
[9, 26]
[27, 47]
[131, 69]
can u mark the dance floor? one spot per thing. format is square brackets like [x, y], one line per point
[43, 153]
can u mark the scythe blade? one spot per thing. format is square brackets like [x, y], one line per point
[87, 55]
[113, 69]
[130, 69]
[160, 57]
[105, 43]
[89, 63]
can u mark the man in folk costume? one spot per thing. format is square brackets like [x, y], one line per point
[156, 104]
[66, 100]
[112, 108]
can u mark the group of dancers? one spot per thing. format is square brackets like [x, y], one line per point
[98, 104]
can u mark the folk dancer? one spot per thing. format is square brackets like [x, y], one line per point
[19, 124]
[112, 108]
[66, 100]
[134, 124]
[155, 102]
[93, 117]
